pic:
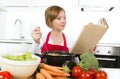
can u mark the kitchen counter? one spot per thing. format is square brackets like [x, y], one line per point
[16, 41]
[113, 73]
[109, 44]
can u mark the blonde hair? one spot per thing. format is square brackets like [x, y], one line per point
[52, 13]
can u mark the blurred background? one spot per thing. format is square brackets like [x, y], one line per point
[19, 17]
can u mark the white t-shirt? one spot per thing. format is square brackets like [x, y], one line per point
[36, 48]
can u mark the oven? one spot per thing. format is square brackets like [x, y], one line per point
[108, 55]
[108, 61]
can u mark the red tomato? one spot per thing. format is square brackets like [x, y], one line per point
[100, 75]
[5, 75]
[8, 74]
[76, 71]
[2, 75]
[92, 71]
[85, 75]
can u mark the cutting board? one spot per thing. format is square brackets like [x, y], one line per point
[89, 37]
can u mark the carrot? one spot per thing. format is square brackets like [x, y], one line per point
[60, 78]
[45, 74]
[54, 77]
[59, 74]
[57, 67]
[51, 68]
[39, 76]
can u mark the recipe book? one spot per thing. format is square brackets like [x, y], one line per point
[90, 36]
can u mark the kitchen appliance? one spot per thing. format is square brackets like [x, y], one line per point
[108, 55]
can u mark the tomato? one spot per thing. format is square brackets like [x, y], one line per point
[5, 75]
[85, 75]
[2, 75]
[76, 71]
[92, 71]
[8, 74]
[100, 75]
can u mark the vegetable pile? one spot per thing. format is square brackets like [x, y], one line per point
[23, 57]
[51, 72]
[79, 73]
[87, 68]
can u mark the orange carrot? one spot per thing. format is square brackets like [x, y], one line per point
[61, 78]
[54, 77]
[57, 67]
[39, 76]
[51, 68]
[45, 74]
[59, 74]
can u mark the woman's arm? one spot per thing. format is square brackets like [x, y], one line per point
[35, 47]
[36, 35]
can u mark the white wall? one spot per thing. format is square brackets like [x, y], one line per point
[112, 34]
[2, 23]
[31, 17]
[13, 48]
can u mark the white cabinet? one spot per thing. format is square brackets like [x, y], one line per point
[38, 2]
[3, 15]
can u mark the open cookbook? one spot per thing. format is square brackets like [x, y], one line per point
[90, 36]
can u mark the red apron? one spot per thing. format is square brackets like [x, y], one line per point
[50, 47]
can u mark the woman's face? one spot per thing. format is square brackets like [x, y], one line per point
[60, 22]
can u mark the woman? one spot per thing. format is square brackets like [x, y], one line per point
[56, 40]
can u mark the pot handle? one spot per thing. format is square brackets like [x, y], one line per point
[40, 55]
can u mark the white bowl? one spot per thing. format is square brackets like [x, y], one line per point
[20, 69]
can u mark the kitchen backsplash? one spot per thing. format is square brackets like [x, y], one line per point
[14, 48]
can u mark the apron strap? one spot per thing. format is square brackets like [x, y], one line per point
[47, 39]
[65, 43]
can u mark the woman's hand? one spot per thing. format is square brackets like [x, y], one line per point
[93, 50]
[36, 35]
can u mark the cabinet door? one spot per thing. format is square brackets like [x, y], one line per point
[38, 2]
[3, 15]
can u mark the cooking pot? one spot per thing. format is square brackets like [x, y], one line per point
[57, 58]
